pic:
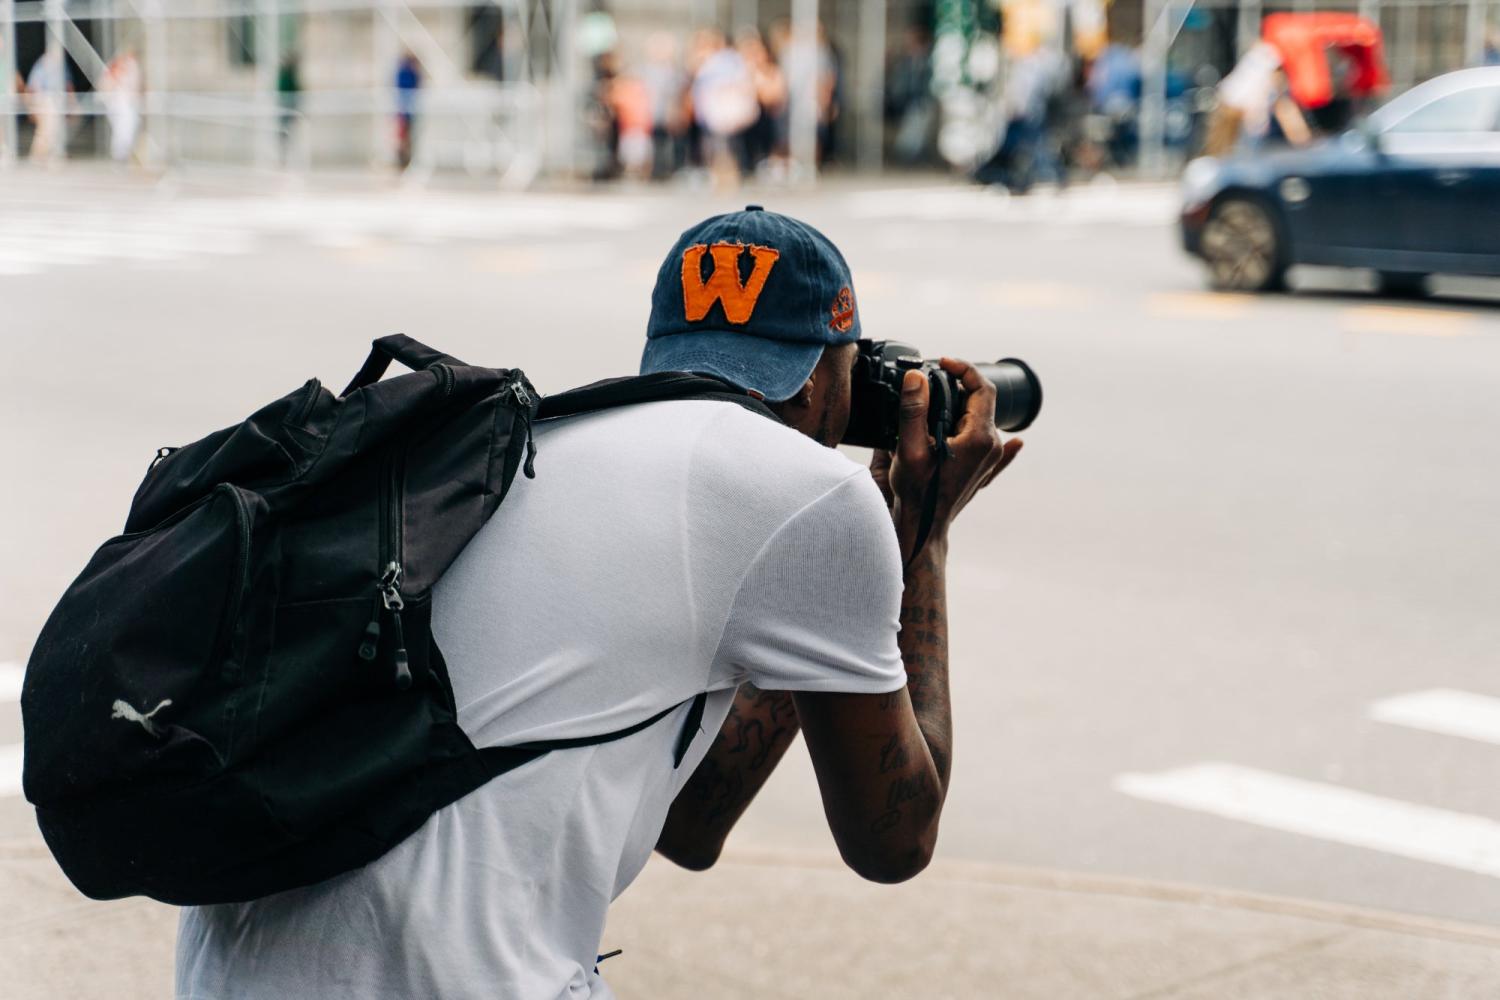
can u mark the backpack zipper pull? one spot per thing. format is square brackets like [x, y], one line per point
[524, 399]
[390, 596]
[403, 666]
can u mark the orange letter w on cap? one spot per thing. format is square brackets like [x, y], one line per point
[724, 283]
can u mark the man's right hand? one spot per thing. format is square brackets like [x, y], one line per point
[976, 455]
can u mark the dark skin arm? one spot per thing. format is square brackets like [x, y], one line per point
[756, 733]
[883, 761]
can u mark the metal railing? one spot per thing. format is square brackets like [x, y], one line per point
[489, 129]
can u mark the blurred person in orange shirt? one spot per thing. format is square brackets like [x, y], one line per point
[630, 102]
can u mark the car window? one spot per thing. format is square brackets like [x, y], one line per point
[1471, 110]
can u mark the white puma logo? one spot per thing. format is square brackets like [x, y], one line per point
[124, 710]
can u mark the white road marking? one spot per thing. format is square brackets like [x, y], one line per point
[10, 682]
[1441, 710]
[1327, 812]
[38, 237]
[10, 769]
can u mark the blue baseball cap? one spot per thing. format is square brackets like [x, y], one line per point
[752, 297]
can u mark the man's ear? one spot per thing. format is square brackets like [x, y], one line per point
[794, 410]
[804, 397]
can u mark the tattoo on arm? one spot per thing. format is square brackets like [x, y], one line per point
[924, 650]
[923, 641]
[759, 728]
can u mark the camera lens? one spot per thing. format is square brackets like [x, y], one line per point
[1018, 393]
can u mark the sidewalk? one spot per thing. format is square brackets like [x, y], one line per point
[766, 925]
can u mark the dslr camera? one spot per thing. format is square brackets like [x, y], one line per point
[875, 402]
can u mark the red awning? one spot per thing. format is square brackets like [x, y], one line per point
[1302, 39]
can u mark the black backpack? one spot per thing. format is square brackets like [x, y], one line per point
[241, 694]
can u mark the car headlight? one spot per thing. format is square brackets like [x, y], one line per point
[1200, 179]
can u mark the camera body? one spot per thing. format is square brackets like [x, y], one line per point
[875, 400]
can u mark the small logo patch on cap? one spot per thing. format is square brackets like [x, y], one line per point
[723, 284]
[843, 310]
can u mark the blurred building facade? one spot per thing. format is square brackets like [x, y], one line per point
[505, 86]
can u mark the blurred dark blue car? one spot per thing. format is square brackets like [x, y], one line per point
[1414, 190]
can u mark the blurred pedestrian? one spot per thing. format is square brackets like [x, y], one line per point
[600, 122]
[909, 104]
[757, 145]
[408, 86]
[1255, 105]
[812, 77]
[630, 103]
[491, 61]
[289, 96]
[664, 83]
[830, 96]
[705, 42]
[724, 104]
[1027, 152]
[121, 87]
[1114, 87]
[49, 88]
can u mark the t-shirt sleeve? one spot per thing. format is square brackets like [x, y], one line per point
[819, 607]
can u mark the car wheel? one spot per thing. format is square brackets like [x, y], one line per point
[1243, 248]
[1403, 284]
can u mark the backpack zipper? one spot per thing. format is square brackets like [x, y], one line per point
[390, 596]
[242, 522]
[388, 600]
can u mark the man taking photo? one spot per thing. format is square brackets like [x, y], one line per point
[666, 550]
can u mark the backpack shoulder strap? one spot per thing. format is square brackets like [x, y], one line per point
[505, 757]
[653, 388]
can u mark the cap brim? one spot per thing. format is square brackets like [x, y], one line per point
[774, 368]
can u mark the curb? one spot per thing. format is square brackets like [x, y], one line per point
[1121, 886]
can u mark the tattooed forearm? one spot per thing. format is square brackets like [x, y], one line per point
[756, 733]
[910, 791]
[924, 650]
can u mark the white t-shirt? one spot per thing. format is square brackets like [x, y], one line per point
[662, 550]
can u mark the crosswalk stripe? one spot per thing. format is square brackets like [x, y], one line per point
[36, 238]
[1441, 710]
[10, 769]
[1327, 812]
[10, 682]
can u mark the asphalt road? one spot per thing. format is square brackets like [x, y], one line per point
[1241, 526]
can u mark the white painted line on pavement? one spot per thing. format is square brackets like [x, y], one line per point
[10, 682]
[1442, 710]
[1327, 812]
[10, 769]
